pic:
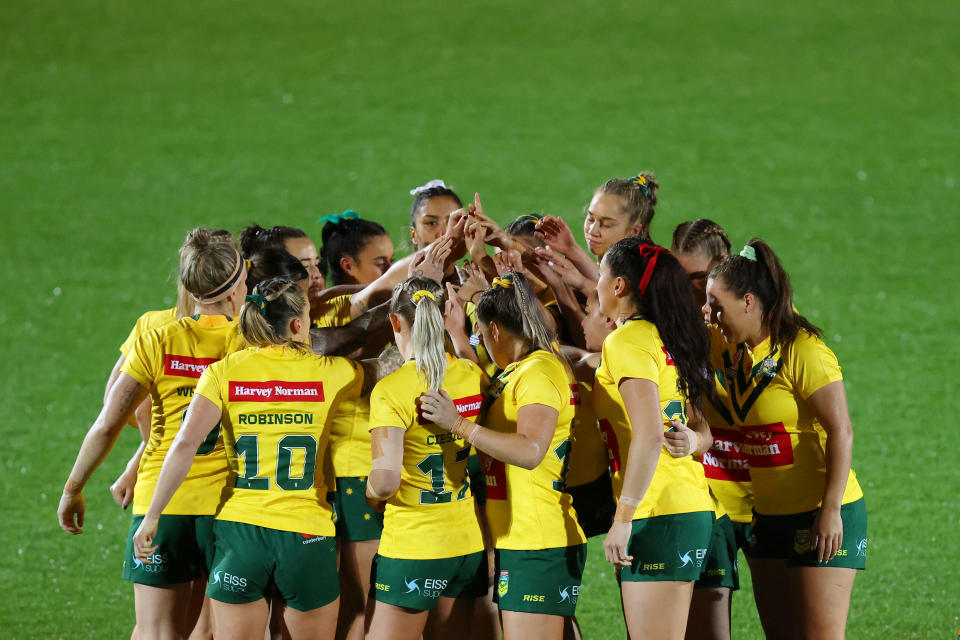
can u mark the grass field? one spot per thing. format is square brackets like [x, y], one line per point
[830, 129]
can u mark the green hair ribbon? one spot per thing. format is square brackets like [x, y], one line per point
[506, 282]
[641, 181]
[534, 217]
[258, 300]
[749, 253]
[335, 218]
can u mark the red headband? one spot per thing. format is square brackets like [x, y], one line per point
[651, 251]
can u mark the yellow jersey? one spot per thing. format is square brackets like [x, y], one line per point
[432, 514]
[334, 312]
[276, 404]
[764, 394]
[168, 361]
[145, 323]
[725, 464]
[634, 350]
[529, 509]
[588, 455]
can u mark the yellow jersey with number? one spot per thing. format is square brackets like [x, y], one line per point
[277, 403]
[432, 514]
[529, 509]
[146, 323]
[334, 312]
[634, 350]
[725, 464]
[168, 361]
[588, 455]
[764, 393]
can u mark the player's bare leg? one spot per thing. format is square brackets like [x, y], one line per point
[657, 610]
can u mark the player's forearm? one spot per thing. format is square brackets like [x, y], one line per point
[96, 446]
[383, 484]
[513, 448]
[134, 463]
[343, 341]
[585, 265]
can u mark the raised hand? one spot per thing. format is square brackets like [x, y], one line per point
[555, 233]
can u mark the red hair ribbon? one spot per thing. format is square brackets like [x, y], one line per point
[651, 252]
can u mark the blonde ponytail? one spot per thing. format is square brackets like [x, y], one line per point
[266, 314]
[419, 301]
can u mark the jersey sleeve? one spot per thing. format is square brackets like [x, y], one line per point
[812, 364]
[630, 358]
[542, 384]
[209, 384]
[144, 360]
[131, 339]
[333, 313]
[389, 406]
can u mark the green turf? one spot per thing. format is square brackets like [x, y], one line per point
[828, 128]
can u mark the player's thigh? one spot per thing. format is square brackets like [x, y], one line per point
[160, 609]
[772, 594]
[523, 625]
[315, 624]
[656, 609]
[246, 621]
[388, 621]
[709, 617]
[450, 617]
[824, 596]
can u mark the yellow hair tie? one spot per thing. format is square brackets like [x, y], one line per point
[505, 282]
[422, 293]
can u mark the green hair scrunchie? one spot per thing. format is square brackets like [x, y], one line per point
[335, 218]
[258, 300]
[641, 181]
[533, 217]
[749, 253]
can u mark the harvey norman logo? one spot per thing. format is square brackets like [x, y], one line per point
[185, 366]
[276, 391]
[469, 407]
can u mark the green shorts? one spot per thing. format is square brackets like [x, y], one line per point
[594, 505]
[184, 551]
[788, 537]
[251, 561]
[416, 584]
[720, 567]
[356, 521]
[669, 548]
[478, 481]
[542, 581]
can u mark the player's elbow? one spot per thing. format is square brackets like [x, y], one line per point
[383, 483]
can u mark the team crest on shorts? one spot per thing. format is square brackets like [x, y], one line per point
[801, 541]
[503, 583]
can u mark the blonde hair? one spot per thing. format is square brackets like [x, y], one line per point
[638, 197]
[512, 304]
[266, 314]
[425, 315]
[209, 261]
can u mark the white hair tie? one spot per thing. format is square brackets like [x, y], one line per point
[430, 185]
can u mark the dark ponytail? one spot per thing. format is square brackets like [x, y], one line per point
[345, 237]
[759, 272]
[667, 301]
[274, 263]
[254, 238]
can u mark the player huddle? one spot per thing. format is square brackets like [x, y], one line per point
[337, 444]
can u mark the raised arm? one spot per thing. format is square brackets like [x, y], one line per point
[369, 332]
[125, 394]
[526, 448]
